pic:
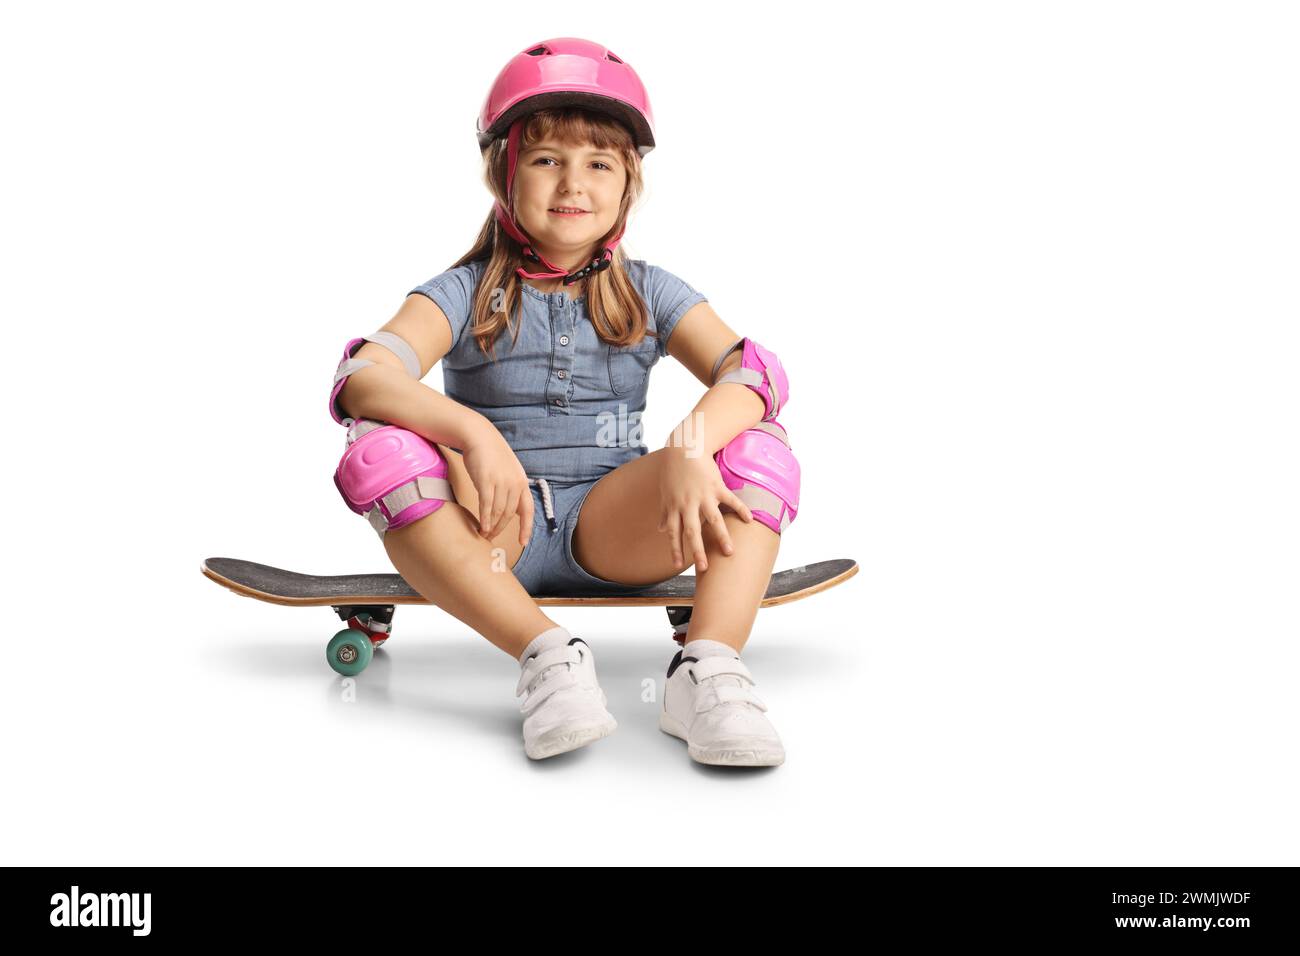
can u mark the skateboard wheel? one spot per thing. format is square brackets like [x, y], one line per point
[349, 652]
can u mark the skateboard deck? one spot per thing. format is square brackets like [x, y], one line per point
[277, 586]
[367, 601]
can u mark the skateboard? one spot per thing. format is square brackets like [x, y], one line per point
[367, 601]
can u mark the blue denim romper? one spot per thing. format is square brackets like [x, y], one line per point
[568, 404]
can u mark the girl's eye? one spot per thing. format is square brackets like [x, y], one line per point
[547, 159]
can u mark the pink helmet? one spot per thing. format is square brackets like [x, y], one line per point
[563, 72]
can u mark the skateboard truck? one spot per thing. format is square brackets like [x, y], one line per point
[680, 618]
[376, 620]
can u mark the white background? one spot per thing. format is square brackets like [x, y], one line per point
[1031, 267]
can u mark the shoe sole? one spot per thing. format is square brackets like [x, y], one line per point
[562, 743]
[730, 757]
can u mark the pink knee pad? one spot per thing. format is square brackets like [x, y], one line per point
[391, 475]
[760, 468]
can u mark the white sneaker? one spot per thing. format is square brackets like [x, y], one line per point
[709, 703]
[563, 706]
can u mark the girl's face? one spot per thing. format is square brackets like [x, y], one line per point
[551, 176]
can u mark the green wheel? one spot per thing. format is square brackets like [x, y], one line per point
[349, 652]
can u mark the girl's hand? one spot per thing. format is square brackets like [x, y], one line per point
[690, 491]
[501, 484]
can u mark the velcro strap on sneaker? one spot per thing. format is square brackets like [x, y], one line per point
[713, 696]
[721, 664]
[551, 684]
[567, 654]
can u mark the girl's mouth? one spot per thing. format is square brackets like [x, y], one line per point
[572, 212]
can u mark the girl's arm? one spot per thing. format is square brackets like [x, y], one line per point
[386, 392]
[691, 490]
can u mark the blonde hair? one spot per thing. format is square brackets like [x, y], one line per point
[616, 309]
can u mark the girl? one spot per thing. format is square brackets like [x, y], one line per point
[529, 476]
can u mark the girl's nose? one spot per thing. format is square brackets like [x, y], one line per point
[571, 183]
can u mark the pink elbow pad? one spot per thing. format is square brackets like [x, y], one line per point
[389, 340]
[761, 370]
[346, 367]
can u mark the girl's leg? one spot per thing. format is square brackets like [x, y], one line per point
[444, 558]
[617, 538]
[728, 594]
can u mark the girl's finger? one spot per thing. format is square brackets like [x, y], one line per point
[493, 510]
[719, 525]
[695, 540]
[485, 508]
[675, 537]
[513, 508]
[498, 507]
[525, 517]
[511, 503]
